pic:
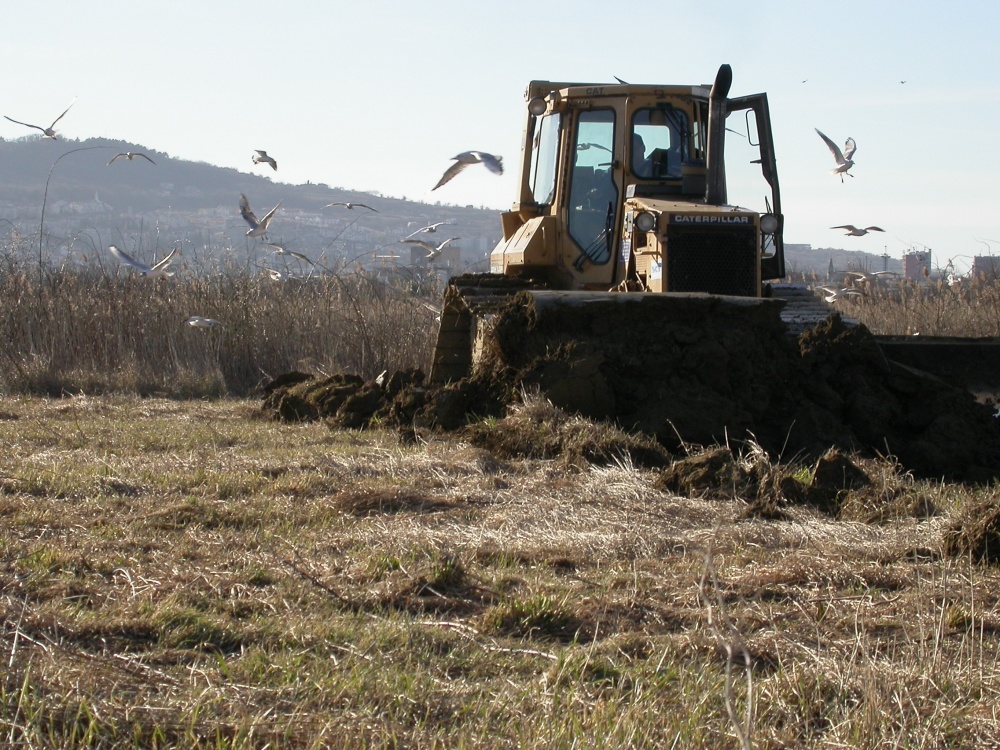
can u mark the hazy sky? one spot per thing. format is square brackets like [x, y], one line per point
[379, 95]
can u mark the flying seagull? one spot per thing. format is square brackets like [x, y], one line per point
[130, 155]
[433, 251]
[196, 321]
[871, 277]
[843, 159]
[157, 271]
[835, 295]
[464, 159]
[430, 228]
[282, 250]
[48, 132]
[853, 231]
[350, 206]
[261, 157]
[257, 228]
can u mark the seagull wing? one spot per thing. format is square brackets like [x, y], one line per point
[492, 163]
[874, 229]
[162, 265]
[62, 115]
[146, 158]
[116, 156]
[127, 260]
[848, 227]
[450, 173]
[420, 243]
[834, 149]
[300, 256]
[329, 205]
[26, 124]
[269, 215]
[440, 247]
[849, 148]
[362, 205]
[247, 213]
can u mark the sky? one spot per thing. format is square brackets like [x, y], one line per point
[379, 95]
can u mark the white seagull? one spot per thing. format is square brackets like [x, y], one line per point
[48, 132]
[843, 158]
[257, 228]
[282, 250]
[130, 155]
[433, 251]
[196, 321]
[835, 295]
[261, 157]
[853, 231]
[464, 159]
[871, 277]
[350, 206]
[429, 229]
[152, 272]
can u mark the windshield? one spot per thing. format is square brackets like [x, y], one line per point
[543, 160]
[593, 195]
[659, 143]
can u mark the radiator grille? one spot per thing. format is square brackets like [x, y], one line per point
[713, 260]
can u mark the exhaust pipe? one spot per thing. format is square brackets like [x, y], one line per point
[715, 161]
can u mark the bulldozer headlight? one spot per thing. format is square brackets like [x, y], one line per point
[768, 224]
[537, 106]
[645, 221]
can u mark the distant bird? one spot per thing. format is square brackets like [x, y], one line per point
[871, 277]
[261, 157]
[853, 231]
[430, 228]
[278, 275]
[152, 272]
[350, 206]
[130, 155]
[48, 132]
[282, 250]
[835, 295]
[464, 159]
[196, 321]
[843, 158]
[257, 228]
[433, 251]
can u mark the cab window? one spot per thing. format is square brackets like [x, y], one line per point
[659, 143]
[593, 195]
[544, 159]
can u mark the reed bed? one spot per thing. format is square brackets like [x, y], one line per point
[95, 330]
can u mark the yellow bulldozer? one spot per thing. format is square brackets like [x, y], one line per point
[664, 199]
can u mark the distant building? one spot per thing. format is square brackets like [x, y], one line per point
[916, 264]
[986, 266]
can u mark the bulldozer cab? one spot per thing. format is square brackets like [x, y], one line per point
[596, 156]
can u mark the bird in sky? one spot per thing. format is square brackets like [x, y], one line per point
[350, 206]
[835, 295]
[433, 251]
[261, 157]
[257, 228]
[853, 231]
[130, 155]
[843, 158]
[464, 159]
[152, 272]
[196, 321]
[429, 229]
[48, 132]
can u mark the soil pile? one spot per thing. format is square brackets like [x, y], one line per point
[687, 369]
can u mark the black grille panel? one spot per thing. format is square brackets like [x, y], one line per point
[713, 260]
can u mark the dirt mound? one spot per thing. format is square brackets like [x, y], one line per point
[686, 370]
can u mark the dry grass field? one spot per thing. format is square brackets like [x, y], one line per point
[187, 574]
[178, 571]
